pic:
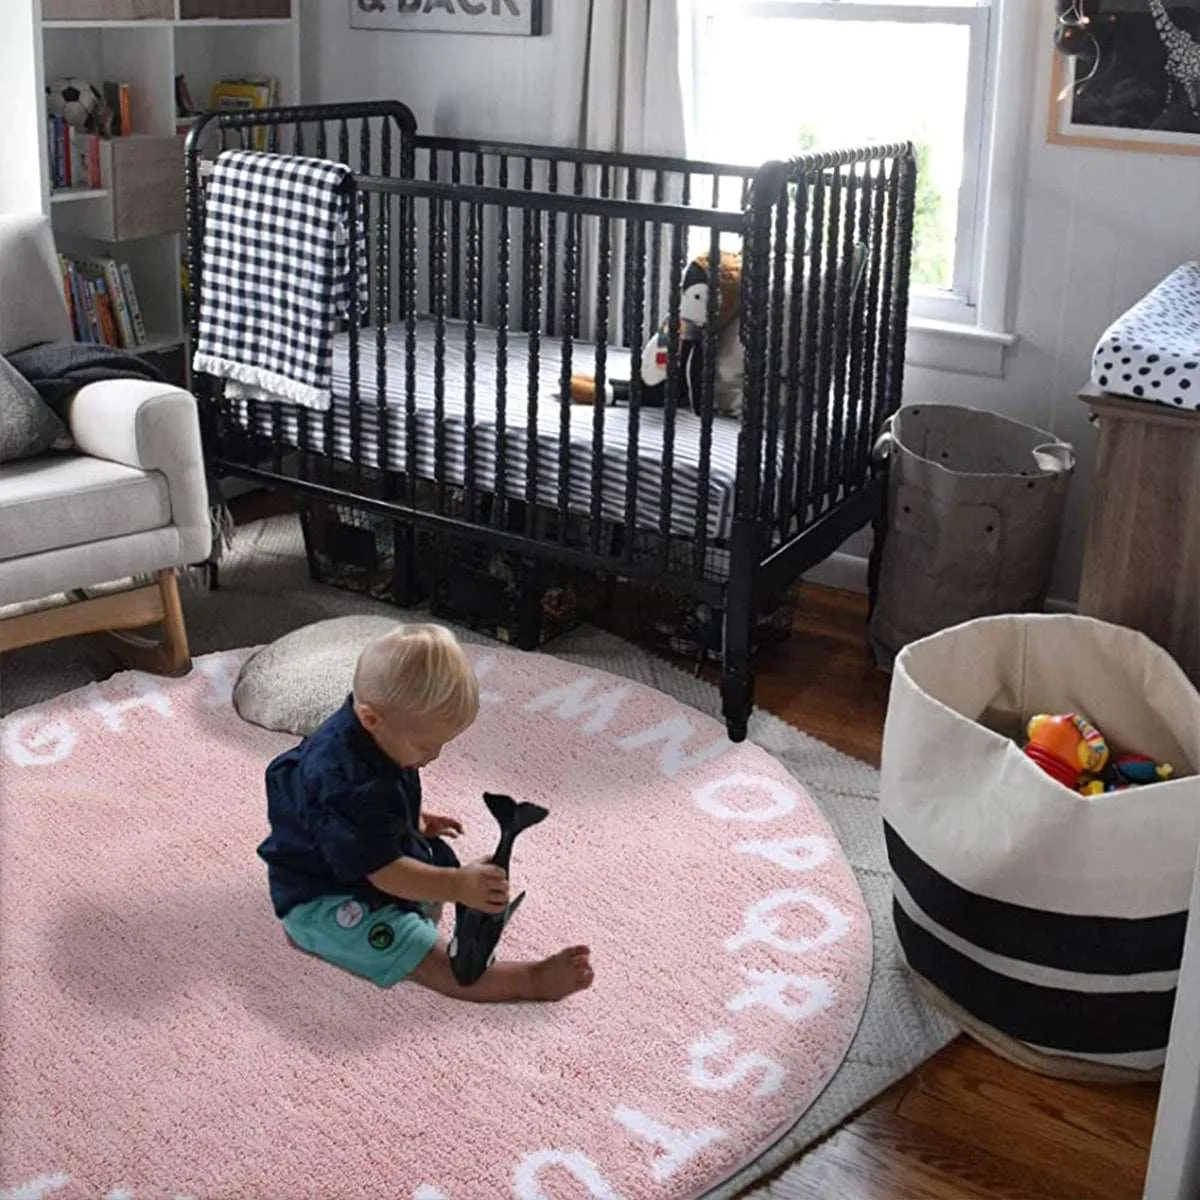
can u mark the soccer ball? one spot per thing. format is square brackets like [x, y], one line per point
[75, 100]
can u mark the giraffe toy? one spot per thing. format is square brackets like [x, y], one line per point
[1183, 56]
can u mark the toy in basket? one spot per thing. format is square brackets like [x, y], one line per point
[473, 946]
[1072, 750]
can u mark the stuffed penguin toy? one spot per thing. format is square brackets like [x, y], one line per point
[693, 318]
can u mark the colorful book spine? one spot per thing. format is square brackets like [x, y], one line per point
[104, 310]
[135, 311]
[91, 316]
[116, 291]
[64, 268]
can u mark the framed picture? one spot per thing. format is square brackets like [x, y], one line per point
[522, 18]
[1136, 85]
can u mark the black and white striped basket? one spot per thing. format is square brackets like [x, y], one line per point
[1052, 921]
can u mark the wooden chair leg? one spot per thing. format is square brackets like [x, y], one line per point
[169, 653]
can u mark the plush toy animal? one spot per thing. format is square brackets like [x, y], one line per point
[693, 320]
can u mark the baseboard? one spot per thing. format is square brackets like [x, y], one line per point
[1054, 605]
[849, 573]
[840, 570]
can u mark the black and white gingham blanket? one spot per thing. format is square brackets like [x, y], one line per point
[275, 278]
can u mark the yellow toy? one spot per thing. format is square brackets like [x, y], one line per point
[1066, 746]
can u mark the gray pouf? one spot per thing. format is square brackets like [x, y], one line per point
[293, 684]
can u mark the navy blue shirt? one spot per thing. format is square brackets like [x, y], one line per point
[340, 809]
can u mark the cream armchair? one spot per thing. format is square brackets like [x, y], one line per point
[128, 502]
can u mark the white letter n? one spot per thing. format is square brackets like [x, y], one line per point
[675, 733]
[575, 700]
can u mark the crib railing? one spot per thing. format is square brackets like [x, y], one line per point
[583, 253]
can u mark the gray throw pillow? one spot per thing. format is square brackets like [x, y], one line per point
[28, 425]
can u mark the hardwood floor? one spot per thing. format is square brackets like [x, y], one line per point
[967, 1125]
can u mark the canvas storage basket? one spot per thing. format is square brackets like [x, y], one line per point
[975, 505]
[1049, 922]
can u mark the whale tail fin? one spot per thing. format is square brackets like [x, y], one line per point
[512, 817]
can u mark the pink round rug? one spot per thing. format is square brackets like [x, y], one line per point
[160, 1039]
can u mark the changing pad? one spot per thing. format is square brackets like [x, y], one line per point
[1152, 353]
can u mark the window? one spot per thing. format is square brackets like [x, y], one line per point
[779, 77]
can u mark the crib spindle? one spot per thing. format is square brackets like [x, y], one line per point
[431, 267]
[456, 240]
[902, 239]
[298, 138]
[528, 217]
[503, 306]
[838, 335]
[809, 400]
[578, 219]
[354, 320]
[474, 263]
[552, 219]
[788, 501]
[383, 253]
[480, 176]
[767, 498]
[887, 330]
[825, 363]
[707, 404]
[439, 353]
[410, 347]
[656, 252]
[852, 437]
[344, 141]
[570, 304]
[603, 289]
[534, 250]
[635, 237]
[631, 334]
[671, 397]
[875, 189]
[322, 140]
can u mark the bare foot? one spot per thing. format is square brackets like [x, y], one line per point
[567, 971]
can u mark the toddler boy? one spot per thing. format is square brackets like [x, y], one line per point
[357, 872]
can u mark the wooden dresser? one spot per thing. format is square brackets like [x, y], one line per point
[1141, 564]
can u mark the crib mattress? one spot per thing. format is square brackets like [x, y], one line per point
[1152, 352]
[513, 432]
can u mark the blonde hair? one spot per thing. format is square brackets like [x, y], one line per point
[418, 671]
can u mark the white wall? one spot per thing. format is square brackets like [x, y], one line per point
[1100, 227]
[23, 125]
[461, 84]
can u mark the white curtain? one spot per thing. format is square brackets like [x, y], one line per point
[619, 75]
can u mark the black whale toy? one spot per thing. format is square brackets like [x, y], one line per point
[473, 946]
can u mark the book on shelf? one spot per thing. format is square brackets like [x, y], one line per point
[249, 92]
[102, 302]
[73, 154]
[116, 118]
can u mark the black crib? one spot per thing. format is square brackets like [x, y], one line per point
[505, 281]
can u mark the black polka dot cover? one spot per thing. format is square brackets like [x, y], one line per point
[1152, 352]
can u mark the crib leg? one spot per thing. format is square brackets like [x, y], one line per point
[406, 588]
[737, 676]
[529, 605]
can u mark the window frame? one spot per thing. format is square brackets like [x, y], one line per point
[976, 300]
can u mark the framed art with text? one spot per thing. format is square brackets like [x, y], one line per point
[522, 18]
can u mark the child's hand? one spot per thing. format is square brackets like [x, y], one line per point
[435, 826]
[483, 886]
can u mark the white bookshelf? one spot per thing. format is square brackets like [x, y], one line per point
[147, 52]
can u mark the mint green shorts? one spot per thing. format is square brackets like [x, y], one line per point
[385, 945]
